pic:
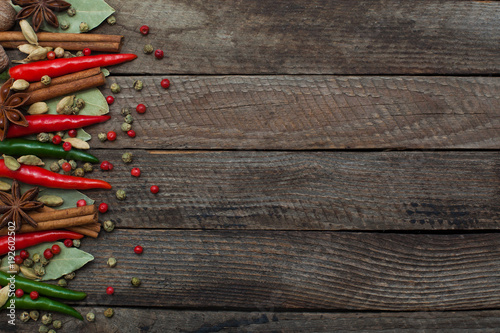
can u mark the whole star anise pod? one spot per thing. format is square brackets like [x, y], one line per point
[41, 10]
[14, 206]
[9, 108]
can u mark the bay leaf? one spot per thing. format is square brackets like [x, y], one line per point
[69, 260]
[93, 12]
[70, 196]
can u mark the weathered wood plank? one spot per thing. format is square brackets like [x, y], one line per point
[169, 321]
[316, 37]
[309, 112]
[294, 270]
[305, 190]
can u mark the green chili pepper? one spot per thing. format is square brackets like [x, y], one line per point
[42, 303]
[43, 288]
[43, 149]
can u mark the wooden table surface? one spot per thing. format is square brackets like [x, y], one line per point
[323, 165]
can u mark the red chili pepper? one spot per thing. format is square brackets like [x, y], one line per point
[35, 175]
[52, 123]
[34, 71]
[26, 240]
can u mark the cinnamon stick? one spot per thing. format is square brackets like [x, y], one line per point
[84, 231]
[49, 214]
[56, 224]
[59, 90]
[69, 78]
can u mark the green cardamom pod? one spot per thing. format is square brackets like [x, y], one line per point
[11, 163]
[29, 273]
[51, 200]
[30, 160]
[4, 186]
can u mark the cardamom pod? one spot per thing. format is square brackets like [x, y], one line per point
[38, 108]
[29, 273]
[66, 101]
[4, 295]
[28, 32]
[5, 186]
[77, 143]
[38, 54]
[51, 200]
[11, 163]
[27, 48]
[20, 85]
[30, 160]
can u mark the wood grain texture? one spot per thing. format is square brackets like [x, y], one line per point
[251, 270]
[170, 321]
[313, 37]
[305, 190]
[309, 112]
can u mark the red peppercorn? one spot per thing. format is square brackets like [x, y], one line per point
[66, 167]
[131, 133]
[138, 249]
[159, 54]
[19, 293]
[110, 100]
[110, 290]
[141, 108]
[51, 55]
[104, 165]
[24, 254]
[154, 189]
[87, 51]
[72, 133]
[34, 295]
[81, 203]
[18, 260]
[66, 146]
[68, 242]
[136, 172]
[56, 139]
[165, 83]
[110, 166]
[103, 208]
[56, 249]
[111, 135]
[48, 254]
[144, 30]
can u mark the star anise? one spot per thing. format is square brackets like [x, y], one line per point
[41, 10]
[14, 206]
[9, 108]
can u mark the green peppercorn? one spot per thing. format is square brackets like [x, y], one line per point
[111, 20]
[76, 243]
[121, 195]
[111, 262]
[36, 257]
[126, 127]
[71, 11]
[136, 282]
[61, 133]
[109, 313]
[84, 27]
[43, 329]
[67, 110]
[90, 316]
[67, 55]
[46, 80]
[64, 25]
[44, 261]
[62, 283]
[61, 162]
[54, 167]
[73, 164]
[79, 54]
[138, 85]
[108, 226]
[34, 315]
[47, 319]
[57, 324]
[52, 331]
[39, 269]
[102, 136]
[43, 137]
[75, 110]
[87, 167]
[127, 157]
[125, 111]
[80, 103]
[28, 262]
[129, 119]
[25, 316]
[79, 172]
[148, 49]
[115, 88]
[70, 276]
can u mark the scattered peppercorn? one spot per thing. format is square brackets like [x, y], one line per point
[138, 249]
[56, 249]
[141, 108]
[126, 127]
[109, 313]
[121, 195]
[34, 295]
[66, 146]
[80, 103]
[115, 88]
[111, 262]
[70, 276]
[127, 157]
[90, 316]
[102, 137]
[111, 135]
[86, 51]
[48, 254]
[138, 85]
[47, 319]
[76, 243]
[56, 139]
[34, 315]
[46, 80]
[19, 293]
[81, 203]
[24, 254]
[110, 290]
[36, 257]
[108, 226]
[18, 260]
[111, 20]
[165, 83]
[79, 54]
[64, 25]
[28, 262]
[148, 49]
[105, 165]
[131, 133]
[103, 207]
[79, 172]
[43, 329]
[68, 242]
[57, 324]
[159, 54]
[25, 316]
[54, 167]
[43, 137]
[88, 167]
[72, 133]
[136, 172]
[125, 111]
[154, 189]
[128, 119]
[51, 55]
[62, 283]
[110, 100]
[144, 30]
[84, 27]
[136, 282]
[71, 11]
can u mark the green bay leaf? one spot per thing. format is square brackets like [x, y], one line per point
[69, 260]
[92, 12]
